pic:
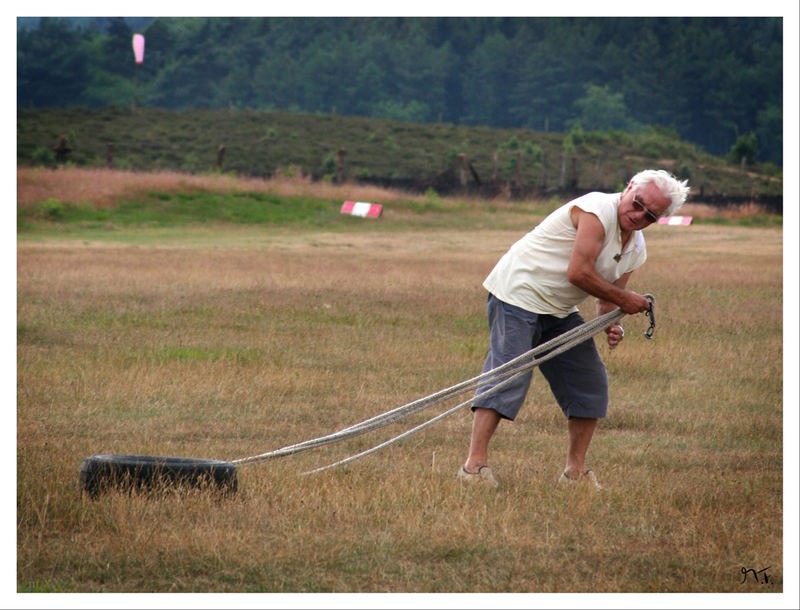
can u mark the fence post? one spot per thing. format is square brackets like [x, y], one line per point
[339, 165]
[62, 149]
[573, 180]
[463, 169]
[544, 171]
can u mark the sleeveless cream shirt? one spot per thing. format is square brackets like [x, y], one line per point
[533, 273]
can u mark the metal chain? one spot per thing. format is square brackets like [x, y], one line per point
[650, 314]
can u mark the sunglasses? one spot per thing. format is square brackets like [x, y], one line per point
[649, 214]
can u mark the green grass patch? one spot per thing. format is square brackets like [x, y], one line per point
[161, 216]
[755, 220]
[175, 209]
[240, 355]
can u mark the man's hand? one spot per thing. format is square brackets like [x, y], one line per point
[615, 334]
[632, 302]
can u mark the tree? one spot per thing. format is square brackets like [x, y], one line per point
[745, 150]
[117, 50]
[52, 65]
[160, 47]
[601, 109]
[770, 132]
[549, 79]
[490, 79]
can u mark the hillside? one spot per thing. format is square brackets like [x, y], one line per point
[381, 151]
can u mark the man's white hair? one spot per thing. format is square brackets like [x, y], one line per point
[673, 189]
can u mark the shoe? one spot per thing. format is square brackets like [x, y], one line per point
[565, 481]
[484, 476]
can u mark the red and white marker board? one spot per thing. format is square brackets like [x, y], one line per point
[362, 208]
[675, 220]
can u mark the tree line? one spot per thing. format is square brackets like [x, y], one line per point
[717, 82]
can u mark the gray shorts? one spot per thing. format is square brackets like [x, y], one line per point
[577, 378]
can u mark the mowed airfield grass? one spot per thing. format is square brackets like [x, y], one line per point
[221, 340]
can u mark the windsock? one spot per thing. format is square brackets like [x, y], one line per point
[138, 48]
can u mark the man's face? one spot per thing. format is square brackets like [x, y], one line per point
[640, 207]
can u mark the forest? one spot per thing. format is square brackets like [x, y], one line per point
[716, 82]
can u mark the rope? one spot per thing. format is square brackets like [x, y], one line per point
[503, 376]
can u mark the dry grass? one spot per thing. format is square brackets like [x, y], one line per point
[733, 212]
[242, 345]
[228, 352]
[102, 188]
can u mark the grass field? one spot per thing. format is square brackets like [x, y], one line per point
[225, 340]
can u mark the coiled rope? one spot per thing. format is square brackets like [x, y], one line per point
[502, 376]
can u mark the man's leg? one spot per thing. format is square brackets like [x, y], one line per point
[484, 423]
[579, 383]
[580, 430]
[513, 331]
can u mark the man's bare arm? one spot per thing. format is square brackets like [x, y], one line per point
[581, 270]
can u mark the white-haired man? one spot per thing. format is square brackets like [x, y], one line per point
[588, 247]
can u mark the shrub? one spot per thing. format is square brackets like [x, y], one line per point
[432, 199]
[53, 209]
[329, 164]
[535, 152]
[43, 156]
[744, 150]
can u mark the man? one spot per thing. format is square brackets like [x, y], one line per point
[590, 246]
